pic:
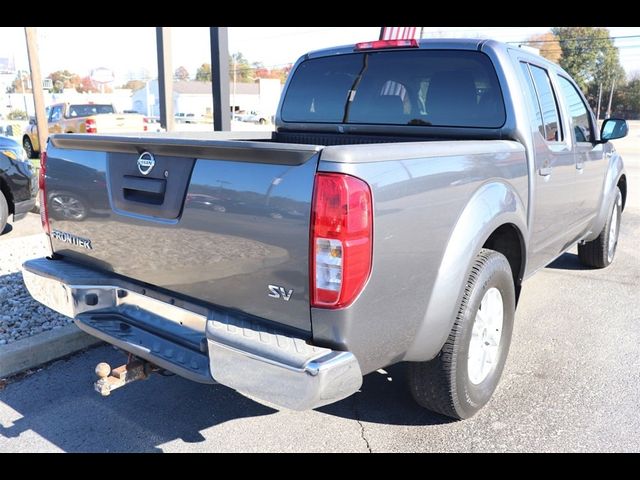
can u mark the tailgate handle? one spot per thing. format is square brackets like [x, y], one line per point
[144, 190]
[147, 185]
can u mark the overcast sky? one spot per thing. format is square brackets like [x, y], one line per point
[124, 49]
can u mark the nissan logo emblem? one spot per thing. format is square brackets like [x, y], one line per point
[146, 162]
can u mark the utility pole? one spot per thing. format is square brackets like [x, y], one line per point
[613, 85]
[599, 100]
[220, 78]
[36, 86]
[165, 77]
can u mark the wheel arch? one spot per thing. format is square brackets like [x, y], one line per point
[622, 185]
[615, 177]
[509, 241]
[494, 216]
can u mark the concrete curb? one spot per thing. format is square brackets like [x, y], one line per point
[42, 348]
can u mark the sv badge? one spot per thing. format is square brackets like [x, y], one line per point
[279, 292]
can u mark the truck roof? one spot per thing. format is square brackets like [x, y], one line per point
[439, 44]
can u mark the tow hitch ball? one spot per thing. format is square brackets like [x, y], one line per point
[134, 369]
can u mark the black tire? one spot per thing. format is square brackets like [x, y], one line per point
[4, 212]
[28, 147]
[596, 253]
[262, 121]
[443, 384]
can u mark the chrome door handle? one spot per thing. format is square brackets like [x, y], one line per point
[544, 171]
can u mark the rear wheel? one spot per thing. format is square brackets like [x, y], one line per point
[599, 253]
[28, 147]
[461, 379]
[4, 212]
[65, 206]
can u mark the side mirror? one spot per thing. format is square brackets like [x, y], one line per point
[613, 128]
[32, 121]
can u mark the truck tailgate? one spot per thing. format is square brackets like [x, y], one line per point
[217, 221]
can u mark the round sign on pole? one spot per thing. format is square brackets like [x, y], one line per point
[102, 75]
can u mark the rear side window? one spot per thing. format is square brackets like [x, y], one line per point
[417, 87]
[578, 111]
[547, 103]
[533, 100]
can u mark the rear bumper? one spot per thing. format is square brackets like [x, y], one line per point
[278, 368]
[200, 343]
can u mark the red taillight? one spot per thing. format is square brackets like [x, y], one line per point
[90, 126]
[341, 239]
[378, 44]
[44, 213]
[145, 121]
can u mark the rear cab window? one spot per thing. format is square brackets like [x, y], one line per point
[88, 110]
[548, 104]
[543, 101]
[448, 88]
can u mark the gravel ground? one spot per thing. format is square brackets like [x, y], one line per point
[20, 315]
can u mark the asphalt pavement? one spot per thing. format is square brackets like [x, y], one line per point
[571, 383]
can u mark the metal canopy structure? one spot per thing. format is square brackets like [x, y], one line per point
[165, 77]
[219, 77]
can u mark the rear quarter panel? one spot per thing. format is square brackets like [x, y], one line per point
[435, 204]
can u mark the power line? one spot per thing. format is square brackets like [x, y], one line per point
[580, 39]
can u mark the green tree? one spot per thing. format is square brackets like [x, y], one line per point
[134, 85]
[626, 99]
[62, 79]
[204, 73]
[20, 84]
[243, 70]
[17, 115]
[548, 45]
[589, 55]
[591, 58]
[181, 73]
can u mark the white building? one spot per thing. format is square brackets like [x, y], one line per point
[196, 97]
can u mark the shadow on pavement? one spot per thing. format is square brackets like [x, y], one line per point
[385, 399]
[567, 261]
[59, 405]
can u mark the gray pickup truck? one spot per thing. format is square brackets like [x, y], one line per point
[408, 191]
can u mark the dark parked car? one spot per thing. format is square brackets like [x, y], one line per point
[18, 183]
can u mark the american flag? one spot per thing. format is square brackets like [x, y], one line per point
[397, 33]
